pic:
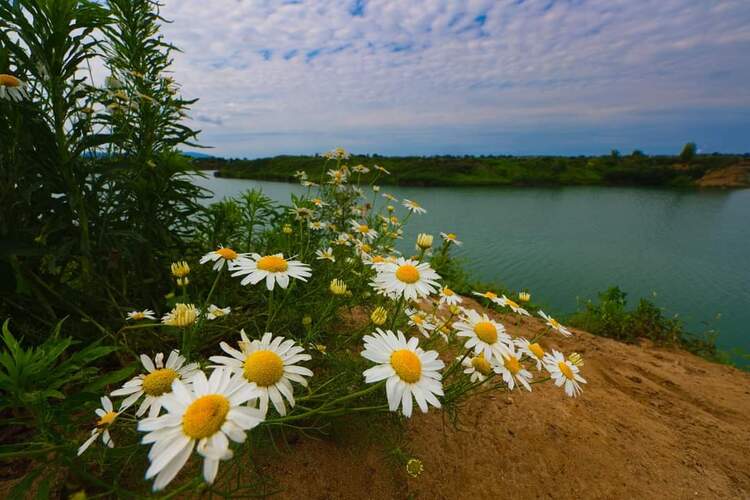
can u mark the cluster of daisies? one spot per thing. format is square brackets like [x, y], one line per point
[183, 408]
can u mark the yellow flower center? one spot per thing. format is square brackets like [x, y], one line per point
[407, 365]
[264, 368]
[363, 228]
[107, 419]
[448, 292]
[481, 365]
[9, 81]
[272, 264]
[378, 259]
[417, 319]
[205, 416]
[138, 315]
[537, 350]
[490, 295]
[512, 364]
[407, 274]
[486, 332]
[450, 236]
[511, 304]
[555, 324]
[158, 382]
[565, 370]
[227, 253]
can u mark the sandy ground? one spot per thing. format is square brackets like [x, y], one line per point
[734, 176]
[652, 423]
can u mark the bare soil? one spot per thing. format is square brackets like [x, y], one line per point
[729, 177]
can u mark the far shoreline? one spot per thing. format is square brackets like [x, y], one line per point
[702, 171]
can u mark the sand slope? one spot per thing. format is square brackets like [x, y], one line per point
[652, 423]
[734, 176]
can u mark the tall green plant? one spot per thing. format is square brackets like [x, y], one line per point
[153, 198]
[49, 42]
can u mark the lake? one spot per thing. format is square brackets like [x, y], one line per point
[688, 250]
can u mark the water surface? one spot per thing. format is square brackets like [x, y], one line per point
[690, 249]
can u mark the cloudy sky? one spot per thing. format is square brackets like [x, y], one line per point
[478, 76]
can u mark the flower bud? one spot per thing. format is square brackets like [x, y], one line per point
[337, 287]
[379, 316]
[424, 241]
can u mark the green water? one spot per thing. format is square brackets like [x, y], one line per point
[691, 249]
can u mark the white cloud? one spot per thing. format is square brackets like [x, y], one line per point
[278, 77]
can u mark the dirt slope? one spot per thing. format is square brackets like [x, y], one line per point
[734, 176]
[652, 423]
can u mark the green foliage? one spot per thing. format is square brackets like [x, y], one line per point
[90, 174]
[44, 386]
[612, 169]
[688, 152]
[610, 317]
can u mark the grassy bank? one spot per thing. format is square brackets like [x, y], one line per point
[612, 170]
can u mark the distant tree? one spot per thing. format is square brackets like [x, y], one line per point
[614, 154]
[688, 152]
[637, 153]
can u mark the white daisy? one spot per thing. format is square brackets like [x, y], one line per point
[318, 202]
[220, 256]
[217, 312]
[338, 176]
[325, 254]
[553, 323]
[491, 296]
[421, 321]
[451, 238]
[406, 278]
[378, 167]
[273, 268]
[207, 413]
[486, 336]
[269, 363]
[414, 207]
[138, 315]
[107, 416]
[317, 225]
[156, 382]
[448, 296]
[506, 302]
[343, 239]
[302, 213]
[512, 371]
[478, 368]
[408, 370]
[12, 88]
[389, 197]
[360, 169]
[564, 373]
[363, 230]
[532, 350]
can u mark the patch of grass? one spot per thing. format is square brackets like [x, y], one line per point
[611, 317]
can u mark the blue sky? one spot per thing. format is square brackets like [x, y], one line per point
[462, 77]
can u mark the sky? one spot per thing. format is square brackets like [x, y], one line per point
[424, 77]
